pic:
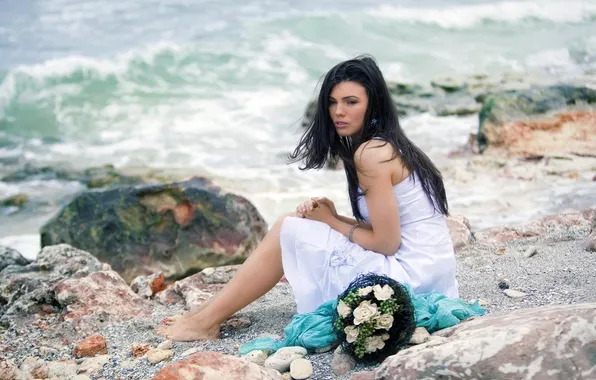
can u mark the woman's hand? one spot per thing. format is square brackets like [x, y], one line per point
[328, 202]
[312, 203]
[304, 207]
[320, 212]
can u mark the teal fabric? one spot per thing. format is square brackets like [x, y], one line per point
[434, 311]
[309, 330]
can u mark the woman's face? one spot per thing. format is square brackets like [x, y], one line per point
[348, 103]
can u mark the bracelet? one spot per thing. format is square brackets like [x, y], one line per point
[352, 231]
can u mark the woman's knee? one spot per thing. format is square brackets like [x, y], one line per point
[280, 221]
[287, 227]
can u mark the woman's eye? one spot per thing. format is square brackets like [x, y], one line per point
[352, 102]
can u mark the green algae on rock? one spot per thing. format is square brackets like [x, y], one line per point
[177, 228]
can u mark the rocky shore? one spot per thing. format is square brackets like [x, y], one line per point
[67, 314]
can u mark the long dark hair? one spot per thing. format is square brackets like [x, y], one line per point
[321, 142]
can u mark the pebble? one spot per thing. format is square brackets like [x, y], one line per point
[531, 251]
[325, 349]
[34, 367]
[256, 356]
[282, 359]
[156, 355]
[93, 365]
[165, 345]
[62, 370]
[237, 323]
[140, 349]
[342, 363]
[301, 369]
[481, 301]
[190, 351]
[503, 284]
[420, 336]
[514, 293]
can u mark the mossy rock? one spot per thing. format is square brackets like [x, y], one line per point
[539, 104]
[17, 200]
[177, 228]
[96, 177]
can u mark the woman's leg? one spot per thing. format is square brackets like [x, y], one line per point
[259, 273]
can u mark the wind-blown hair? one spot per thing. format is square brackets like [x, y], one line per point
[321, 141]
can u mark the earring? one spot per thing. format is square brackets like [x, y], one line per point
[373, 122]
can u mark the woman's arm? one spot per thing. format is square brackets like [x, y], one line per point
[376, 165]
[345, 219]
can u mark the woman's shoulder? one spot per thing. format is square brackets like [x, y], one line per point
[373, 151]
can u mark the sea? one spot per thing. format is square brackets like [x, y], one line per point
[218, 89]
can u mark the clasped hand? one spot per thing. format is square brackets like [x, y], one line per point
[320, 209]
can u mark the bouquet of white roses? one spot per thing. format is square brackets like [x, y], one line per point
[374, 317]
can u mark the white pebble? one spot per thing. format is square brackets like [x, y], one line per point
[420, 336]
[165, 345]
[156, 356]
[256, 356]
[531, 251]
[325, 349]
[297, 350]
[301, 369]
[190, 351]
[93, 365]
[514, 293]
[282, 359]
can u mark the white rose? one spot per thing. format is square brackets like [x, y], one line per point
[374, 343]
[384, 293]
[351, 333]
[343, 309]
[365, 312]
[384, 321]
[385, 336]
[364, 291]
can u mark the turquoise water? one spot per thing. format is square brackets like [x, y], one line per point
[217, 87]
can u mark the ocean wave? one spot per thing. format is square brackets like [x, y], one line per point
[468, 16]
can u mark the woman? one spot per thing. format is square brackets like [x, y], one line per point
[398, 202]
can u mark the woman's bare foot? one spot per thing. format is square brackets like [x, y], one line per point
[189, 330]
[175, 318]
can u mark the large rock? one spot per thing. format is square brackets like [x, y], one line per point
[459, 230]
[103, 294]
[177, 229]
[193, 290]
[541, 121]
[70, 282]
[212, 365]
[554, 342]
[29, 289]
[9, 256]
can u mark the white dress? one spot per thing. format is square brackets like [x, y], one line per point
[319, 262]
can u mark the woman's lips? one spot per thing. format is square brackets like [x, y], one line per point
[340, 124]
